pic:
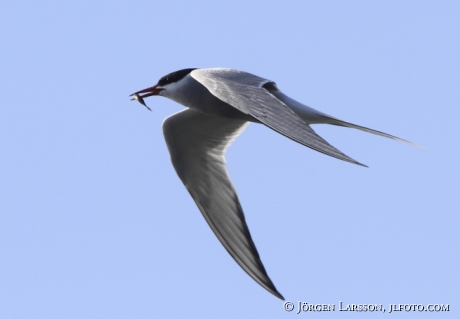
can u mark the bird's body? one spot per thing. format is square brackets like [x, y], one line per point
[192, 94]
[220, 103]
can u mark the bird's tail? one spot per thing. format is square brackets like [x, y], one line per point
[334, 121]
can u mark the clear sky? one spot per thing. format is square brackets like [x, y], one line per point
[94, 222]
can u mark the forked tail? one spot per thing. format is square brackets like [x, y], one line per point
[338, 122]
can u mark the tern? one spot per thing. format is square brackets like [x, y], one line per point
[220, 103]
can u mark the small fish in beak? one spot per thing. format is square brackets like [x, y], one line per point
[140, 100]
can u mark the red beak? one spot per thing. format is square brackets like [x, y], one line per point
[154, 90]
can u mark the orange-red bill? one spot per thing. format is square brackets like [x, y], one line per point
[154, 90]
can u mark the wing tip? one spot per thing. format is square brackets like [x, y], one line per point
[271, 289]
[360, 164]
[278, 295]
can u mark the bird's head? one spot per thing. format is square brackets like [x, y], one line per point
[167, 82]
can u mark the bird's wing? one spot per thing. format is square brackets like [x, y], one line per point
[312, 116]
[245, 92]
[197, 143]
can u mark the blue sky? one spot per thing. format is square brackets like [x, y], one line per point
[95, 223]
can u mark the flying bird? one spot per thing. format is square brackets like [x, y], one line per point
[219, 105]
